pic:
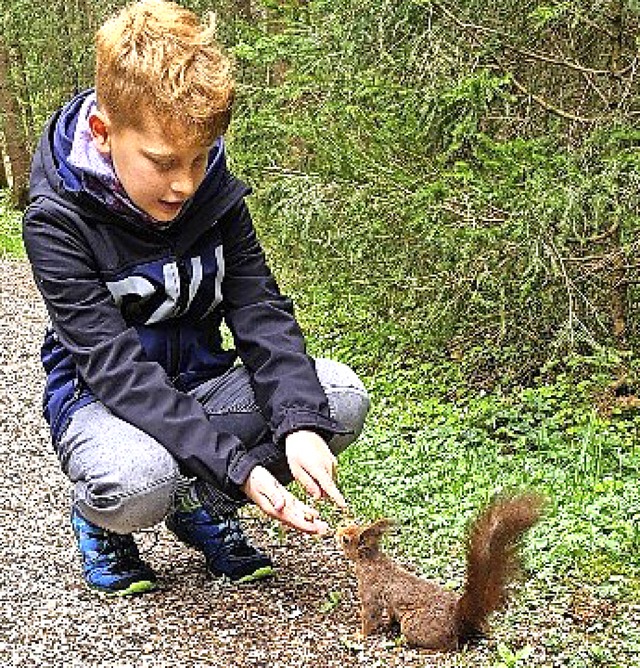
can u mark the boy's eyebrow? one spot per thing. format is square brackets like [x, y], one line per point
[157, 155]
[162, 155]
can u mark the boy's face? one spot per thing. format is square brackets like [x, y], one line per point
[158, 173]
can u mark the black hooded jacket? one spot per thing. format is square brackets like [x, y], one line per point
[136, 313]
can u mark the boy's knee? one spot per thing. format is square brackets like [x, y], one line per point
[134, 495]
[348, 400]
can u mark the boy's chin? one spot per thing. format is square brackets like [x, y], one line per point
[164, 214]
[162, 220]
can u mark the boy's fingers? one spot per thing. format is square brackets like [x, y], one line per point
[276, 500]
[330, 489]
[312, 488]
[276, 496]
[320, 528]
[324, 484]
[279, 503]
[335, 495]
[268, 493]
[310, 522]
[303, 517]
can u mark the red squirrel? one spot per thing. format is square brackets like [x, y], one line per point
[429, 615]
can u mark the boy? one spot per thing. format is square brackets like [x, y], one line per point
[141, 245]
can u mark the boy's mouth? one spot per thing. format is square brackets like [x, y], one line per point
[171, 207]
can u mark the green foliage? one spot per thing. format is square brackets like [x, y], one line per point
[10, 235]
[513, 659]
[388, 175]
[546, 15]
[431, 465]
[416, 163]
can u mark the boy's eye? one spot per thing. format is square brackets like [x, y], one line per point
[163, 165]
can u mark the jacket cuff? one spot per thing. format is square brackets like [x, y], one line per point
[261, 455]
[216, 502]
[220, 500]
[299, 418]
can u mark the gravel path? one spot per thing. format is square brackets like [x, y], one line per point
[305, 616]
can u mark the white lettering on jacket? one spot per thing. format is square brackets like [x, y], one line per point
[143, 288]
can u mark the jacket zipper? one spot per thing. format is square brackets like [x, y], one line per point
[183, 298]
[174, 356]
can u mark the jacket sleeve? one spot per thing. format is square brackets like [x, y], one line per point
[267, 336]
[111, 361]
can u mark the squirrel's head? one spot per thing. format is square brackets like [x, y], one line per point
[359, 542]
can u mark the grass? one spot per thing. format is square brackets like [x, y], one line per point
[436, 448]
[10, 236]
[431, 463]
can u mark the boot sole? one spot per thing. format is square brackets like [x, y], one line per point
[260, 574]
[134, 589]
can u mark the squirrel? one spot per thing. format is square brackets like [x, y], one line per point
[430, 615]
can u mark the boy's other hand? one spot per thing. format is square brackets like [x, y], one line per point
[278, 502]
[313, 465]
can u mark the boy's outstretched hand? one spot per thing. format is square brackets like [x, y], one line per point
[313, 465]
[278, 502]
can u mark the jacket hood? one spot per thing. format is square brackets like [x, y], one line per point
[63, 133]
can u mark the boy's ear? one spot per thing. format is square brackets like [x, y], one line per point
[100, 130]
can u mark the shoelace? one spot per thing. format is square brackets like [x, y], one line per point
[117, 549]
[233, 537]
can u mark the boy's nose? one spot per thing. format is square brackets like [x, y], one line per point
[184, 185]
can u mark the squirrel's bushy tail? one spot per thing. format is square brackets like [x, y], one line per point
[492, 559]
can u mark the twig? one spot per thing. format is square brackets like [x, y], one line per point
[595, 25]
[548, 106]
[631, 81]
[545, 104]
[568, 285]
[596, 238]
[563, 62]
[470, 216]
[595, 88]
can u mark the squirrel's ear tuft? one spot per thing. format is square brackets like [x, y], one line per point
[345, 539]
[372, 534]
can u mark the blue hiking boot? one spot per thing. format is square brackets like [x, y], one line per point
[111, 562]
[223, 544]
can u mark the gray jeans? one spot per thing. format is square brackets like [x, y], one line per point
[125, 480]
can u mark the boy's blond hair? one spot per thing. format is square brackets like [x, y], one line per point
[156, 61]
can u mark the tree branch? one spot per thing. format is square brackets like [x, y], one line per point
[545, 58]
[549, 106]
[538, 99]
